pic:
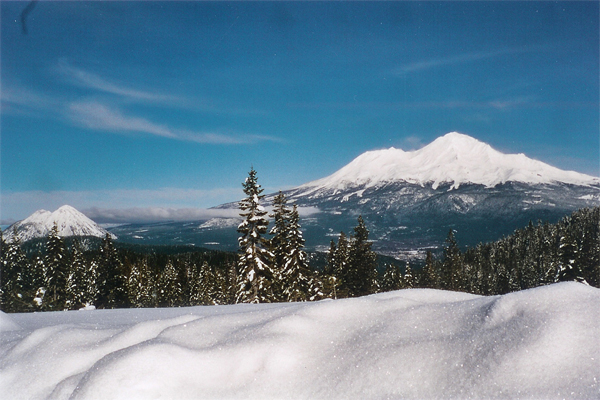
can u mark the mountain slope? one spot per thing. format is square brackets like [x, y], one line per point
[454, 158]
[410, 200]
[69, 221]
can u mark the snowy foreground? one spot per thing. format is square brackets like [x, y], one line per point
[539, 343]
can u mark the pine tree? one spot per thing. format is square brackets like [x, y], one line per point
[568, 253]
[341, 265]
[409, 279]
[452, 265]
[57, 271]
[362, 272]
[430, 277]
[330, 266]
[169, 286]
[15, 281]
[279, 242]
[112, 282]
[39, 282]
[295, 275]
[392, 278]
[76, 296]
[254, 263]
[140, 285]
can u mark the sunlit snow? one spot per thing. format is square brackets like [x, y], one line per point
[453, 158]
[68, 220]
[539, 343]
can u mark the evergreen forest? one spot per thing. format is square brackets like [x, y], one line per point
[272, 265]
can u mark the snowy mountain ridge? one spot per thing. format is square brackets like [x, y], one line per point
[453, 158]
[70, 222]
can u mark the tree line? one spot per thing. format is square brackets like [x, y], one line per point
[272, 265]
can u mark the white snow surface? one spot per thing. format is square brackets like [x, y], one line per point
[453, 158]
[70, 222]
[415, 343]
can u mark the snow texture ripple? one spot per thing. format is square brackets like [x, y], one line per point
[419, 343]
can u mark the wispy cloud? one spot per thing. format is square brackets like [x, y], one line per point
[94, 115]
[18, 205]
[90, 80]
[19, 100]
[129, 205]
[464, 58]
[97, 116]
[156, 214]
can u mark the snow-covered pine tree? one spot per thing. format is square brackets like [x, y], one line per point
[451, 264]
[279, 245]
[340, 266]
[57, 271]
[76, 281]
[330, 266]
[255, 275]
[112, 282]
[392, 278]
[362, 272]
[568, 269]
[208, 287]
[140, 284]
[409, 277]
[91, 282]
[430, 277]
[15, 280]
[295, 276]
[169, 286]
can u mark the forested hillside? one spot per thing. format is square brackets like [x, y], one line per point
[58, 277]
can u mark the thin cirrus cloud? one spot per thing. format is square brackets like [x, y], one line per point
[464, 58]
[89, 80]
[97, 116]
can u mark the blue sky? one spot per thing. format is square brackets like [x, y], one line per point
[151, 107]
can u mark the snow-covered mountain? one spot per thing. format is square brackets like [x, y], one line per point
[69, 221]
[411, 199]
[453, 158]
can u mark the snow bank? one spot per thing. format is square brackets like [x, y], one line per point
[540, 343]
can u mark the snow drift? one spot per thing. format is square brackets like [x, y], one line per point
[539, 343]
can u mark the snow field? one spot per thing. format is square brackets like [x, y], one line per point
[419, 343]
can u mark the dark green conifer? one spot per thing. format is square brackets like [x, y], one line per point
[362, 272]
[57, 265]
[256, 275]
[112, 281]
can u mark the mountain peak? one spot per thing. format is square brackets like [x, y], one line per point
[454, 158]
[69, 221]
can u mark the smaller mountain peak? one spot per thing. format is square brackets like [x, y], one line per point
[69, 220]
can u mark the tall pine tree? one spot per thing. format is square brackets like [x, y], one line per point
[254, 264]
[296, 280]
[57, 271]
[362, 273]
[112, 282]
[279, 243]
